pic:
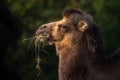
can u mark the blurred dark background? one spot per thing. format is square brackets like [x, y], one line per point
[19, 19]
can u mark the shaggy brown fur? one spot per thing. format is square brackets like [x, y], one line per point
[79, 45]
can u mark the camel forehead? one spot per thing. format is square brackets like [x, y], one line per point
[63, 21]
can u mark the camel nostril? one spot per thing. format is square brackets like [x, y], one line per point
[43, 26]
[41, 29]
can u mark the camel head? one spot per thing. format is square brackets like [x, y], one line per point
[75, 28]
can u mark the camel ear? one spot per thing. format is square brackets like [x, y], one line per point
[82, 26]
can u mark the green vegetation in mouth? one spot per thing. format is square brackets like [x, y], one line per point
[39, 45]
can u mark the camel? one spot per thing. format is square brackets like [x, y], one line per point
[79, 45]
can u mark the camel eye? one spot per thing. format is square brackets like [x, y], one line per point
[64, 28]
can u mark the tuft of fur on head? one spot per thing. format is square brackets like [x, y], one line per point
[71, 12]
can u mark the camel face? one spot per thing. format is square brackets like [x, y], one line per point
[64, 31]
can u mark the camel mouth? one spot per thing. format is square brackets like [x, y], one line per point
[45, 37]
[42, 37]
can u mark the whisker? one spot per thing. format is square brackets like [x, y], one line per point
[29, 39]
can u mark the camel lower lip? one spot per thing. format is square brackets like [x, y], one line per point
[45, 40]
[41, 36]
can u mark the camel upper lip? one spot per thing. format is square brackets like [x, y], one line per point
[42, 37]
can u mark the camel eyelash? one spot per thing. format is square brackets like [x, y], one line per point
[63, 26]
